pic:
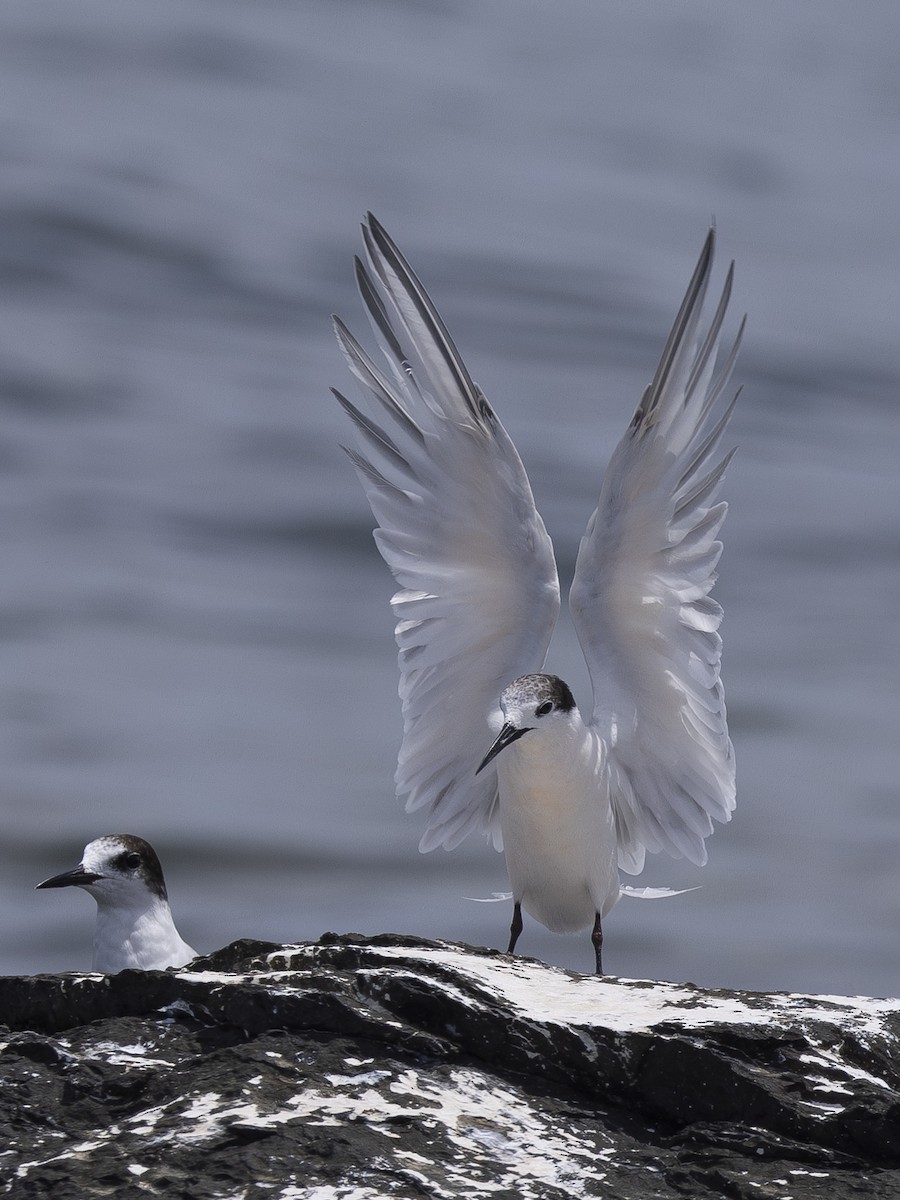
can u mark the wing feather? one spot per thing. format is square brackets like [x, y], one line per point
[458, 528]
[641, 604]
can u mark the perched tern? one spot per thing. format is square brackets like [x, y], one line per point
[134, 924]
[568, 801]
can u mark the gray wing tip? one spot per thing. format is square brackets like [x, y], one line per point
[709, 242]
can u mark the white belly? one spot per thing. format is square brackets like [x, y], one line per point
[558, 832]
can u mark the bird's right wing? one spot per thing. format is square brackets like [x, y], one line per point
[459, 530]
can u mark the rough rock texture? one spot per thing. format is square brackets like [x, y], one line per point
[358, 1068]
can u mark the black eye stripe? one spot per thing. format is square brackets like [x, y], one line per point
[129, 860]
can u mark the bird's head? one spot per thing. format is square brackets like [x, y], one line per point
[119, 868]
[529, 703]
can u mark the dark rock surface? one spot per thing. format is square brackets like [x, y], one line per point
[358, 1068]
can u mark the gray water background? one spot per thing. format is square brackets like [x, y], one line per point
[195, 640]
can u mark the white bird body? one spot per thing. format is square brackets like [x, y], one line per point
[556, 821]
[134, 926]
[567, 799]
[139, 933]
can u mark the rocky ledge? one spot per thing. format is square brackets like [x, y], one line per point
[358, 1068]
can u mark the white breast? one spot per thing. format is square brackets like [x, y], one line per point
[558, 831]
[143, 938]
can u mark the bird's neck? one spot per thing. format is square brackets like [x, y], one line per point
[132, 935]
[561, 761]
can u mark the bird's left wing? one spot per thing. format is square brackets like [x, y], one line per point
[641, 604]
[458, 527]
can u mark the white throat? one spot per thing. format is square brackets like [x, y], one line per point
[140, 935]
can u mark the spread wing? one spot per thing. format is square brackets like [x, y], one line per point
[457, 526]
[641, 598]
